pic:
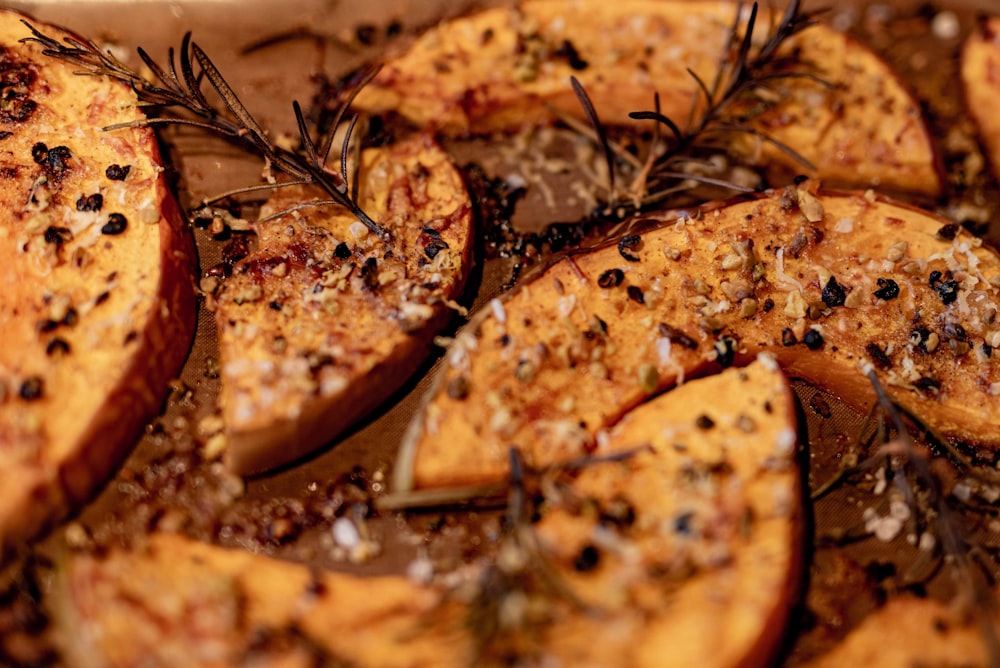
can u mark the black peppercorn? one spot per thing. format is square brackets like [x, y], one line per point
[568, 51]
[117, 172]
[90, 202]
[833, 293]
[32, 388]
[887, 289]
[725, 351]
[948, 232]
[38, 152]
[704, 422]
[611, 278]
[342, 251]
[369, 274]
[116, 224]
[813, 339]
[57, 235]
[57, 346]
[627, 243]
[944, 285]
[587, 560]
[433, 248]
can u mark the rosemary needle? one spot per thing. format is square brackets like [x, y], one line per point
[177, 92]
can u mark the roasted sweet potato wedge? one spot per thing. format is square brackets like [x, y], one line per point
[506, 68]
[981, 81]
[324, 321]
[177, 602]
[96, 269]
[703, 571]
[833, 285]
[910, 631]
[687, 553]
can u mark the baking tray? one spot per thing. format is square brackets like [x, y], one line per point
[276, 52]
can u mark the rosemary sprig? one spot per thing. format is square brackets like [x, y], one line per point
[931, 509]
[514, 593]
[176, 91]
[516, 590]
[717, 112]
[947, 527]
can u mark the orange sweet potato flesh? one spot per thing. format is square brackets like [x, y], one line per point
[715, 592]
[177, 602]
[981, 81]
[910, 631]
[324, 321]
[705, 571]
[508, 68]
[98, 304]
[831, 284]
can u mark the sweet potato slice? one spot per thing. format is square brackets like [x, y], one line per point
[704, 571]
[910, 631]
[831, 284]
[324, 321]
[96, 269]
[981, 81]
[506, 68]
[177, 602]
[687, 553]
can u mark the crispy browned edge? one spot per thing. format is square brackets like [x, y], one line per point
[49, 496]
[769, 643]
[937, 166]
[402, 478]
[978, 38]
[319, 423]
[767, 647]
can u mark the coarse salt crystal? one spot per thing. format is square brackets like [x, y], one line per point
[887, 528]
[358, 230]
[420, 570]
[945, 25]
[663, 350]
[345, 534]
[768, 360]
[499, 312]
[844, 225]
[786, 441]
[899, 510]
[927, 541]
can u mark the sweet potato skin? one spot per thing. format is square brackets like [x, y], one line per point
[690, 579]
[503, 69]
[172, 601]
[831, 284]
[323, 321]
[98, 314]
[715, 591]
[910, 631]
[980, 71]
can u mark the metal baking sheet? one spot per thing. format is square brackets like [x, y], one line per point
[167, 483]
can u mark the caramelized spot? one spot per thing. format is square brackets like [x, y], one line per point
[878, 356]
[117, 172]
[17, 78]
